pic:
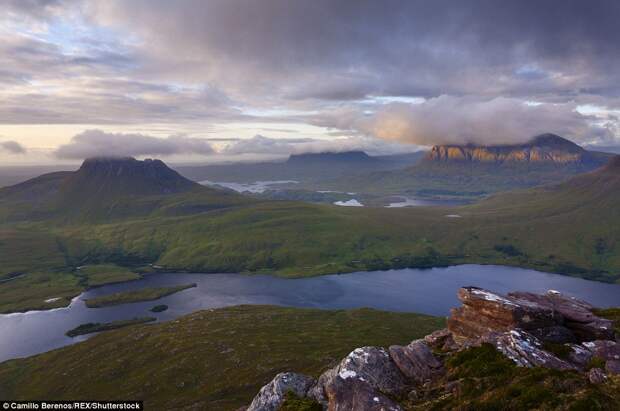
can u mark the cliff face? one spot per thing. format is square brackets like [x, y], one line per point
[546, 148]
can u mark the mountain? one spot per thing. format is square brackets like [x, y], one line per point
[114, 176]
[103, 187]
[11, 175]
[474, 172]
[548, 149]
[306, 167]
[329, 157]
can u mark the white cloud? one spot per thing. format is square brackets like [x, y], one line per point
[92, 143]
[462, 120]
[276, 146]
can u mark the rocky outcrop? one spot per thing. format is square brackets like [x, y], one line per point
[550, 317]
[271, 396]
[484, 312]
[546, 148]
[518, 325]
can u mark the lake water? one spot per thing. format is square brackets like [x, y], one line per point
[424, 202]
[430, 291]
[256, 187]
[349, 203]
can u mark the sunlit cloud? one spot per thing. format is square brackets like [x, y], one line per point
[341, 74]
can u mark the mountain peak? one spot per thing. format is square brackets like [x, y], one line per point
[112, 176]
[341, 156]
[554, 141]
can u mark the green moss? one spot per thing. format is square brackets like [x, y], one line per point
[559, 350]
[489, 381]
[596, 362]
[611, 314]
[293, 403]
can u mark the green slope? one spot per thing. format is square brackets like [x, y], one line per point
[219, 359]
[571, 228]
[215, 360]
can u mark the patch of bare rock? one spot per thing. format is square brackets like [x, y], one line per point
[519, 325]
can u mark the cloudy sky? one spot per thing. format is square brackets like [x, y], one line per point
[206, 80]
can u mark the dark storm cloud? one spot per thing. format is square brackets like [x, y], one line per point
[328, 63]
[345, 49]
[91, 143]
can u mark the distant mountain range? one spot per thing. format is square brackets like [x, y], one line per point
[307, 167]
[133, 213]
[468, 171]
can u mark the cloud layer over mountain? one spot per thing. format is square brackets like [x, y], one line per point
[411, 71]
[92, 143]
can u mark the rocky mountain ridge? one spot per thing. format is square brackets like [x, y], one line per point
[542, 149]
[521, 326]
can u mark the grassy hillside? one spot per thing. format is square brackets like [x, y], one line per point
[219, 359]
[450, 180]
[570, 228]
[215, 360]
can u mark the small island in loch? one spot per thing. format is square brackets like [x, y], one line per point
[145, 294]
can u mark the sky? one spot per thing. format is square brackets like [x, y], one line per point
[238, 80]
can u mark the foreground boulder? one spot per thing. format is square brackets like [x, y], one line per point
[271, 396]
[363, 378]
[417, 362]
[525, 350]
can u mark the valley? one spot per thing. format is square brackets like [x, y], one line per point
[566, 228]
[351, 205]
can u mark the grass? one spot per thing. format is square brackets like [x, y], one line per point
[126, 297]
[486, 380]
[90, 328]
[215, 359]
[96, 275]
[293, 403]
[611, 314]
[40, 290]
